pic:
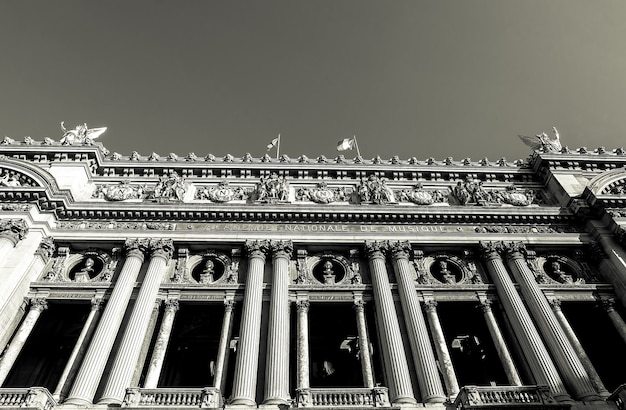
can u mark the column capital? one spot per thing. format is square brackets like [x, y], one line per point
[608, 304]
[39, 304]
[97, 303]
[491, 250]
[46, 248]
[171, 305]
[163, 248]
[229, 305]
[430, 305]
[516, 250]
[303, 305]
[376, 249]
[400, 249]
[485, 305]
[256, 249]
[13, 229]
[136, 247]
[281, 249]
[555, 303]
[358, 305]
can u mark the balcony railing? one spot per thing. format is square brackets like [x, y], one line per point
[486, 397]
[32, 397]
[207, 397]
[346, 397]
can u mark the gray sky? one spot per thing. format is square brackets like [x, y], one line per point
[409, 78]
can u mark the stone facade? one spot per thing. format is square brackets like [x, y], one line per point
[198, 281]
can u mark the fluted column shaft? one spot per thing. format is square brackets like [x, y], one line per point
[423, 357]
[160, 346]
[277, 365]
[501, 348]
[94, 362]
[79, 349]
[596, 381]
[247, 362]
[572, 370]
[37, 306]
[400, 388]
[536, 354]
[222, 351]
[303, 345]
[449, 375]
[128, 353]
[618, 322]
[364, 345]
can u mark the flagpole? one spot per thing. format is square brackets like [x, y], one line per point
[357, 146]
[278, 147]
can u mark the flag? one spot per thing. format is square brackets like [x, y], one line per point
[272, 144]
[345, 144]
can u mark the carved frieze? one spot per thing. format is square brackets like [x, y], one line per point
[472, 192]
[419, 196]
[136, 226]
[374, 190]
[120, 192]
[169, 188]
[322, 194]
[272, 189]
[223, 192]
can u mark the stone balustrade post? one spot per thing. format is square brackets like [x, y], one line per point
[128, 353]
[501, 348]
[535, 352]
[79, 349]
[609, 307]
[277, 365]
[555, 303]
[160, 346]
[302, 364]
[423, 357]
[449, 375]
[400, 388]
[567, 361]
[11, 232]
[95, 360]
[221, 363]
[247, 361]
[365, 354]
[37, 305]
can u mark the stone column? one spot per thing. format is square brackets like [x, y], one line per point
[37, 305]
[535, 352]
[277, 364]
[365, 355]
[498, 340]
[423, 357]
[11, 232]
[572, 370]
[127, 357]
[160, 346]
[247, 362]
[92, 367]
[400, 388]
[580, 351]
[303, 345]
[609, 306]
[79, 349]
[221, 363]
[449, 375]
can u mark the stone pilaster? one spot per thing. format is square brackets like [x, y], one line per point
[127, 357]
[400, 388]
[247, 362]
[277, 365]
[37, 305]
[596, 381]
[609, 307]
[302, 381]
[160, 346]
[365, 355]
[423, 358]
[449, 375]
[11, 232]
[92, 367]
[535, 352]
[501, 348]
[80, 347]
[221, 363]
[572, 370]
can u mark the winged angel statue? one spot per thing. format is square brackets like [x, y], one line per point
[543, 143]
[80, 135]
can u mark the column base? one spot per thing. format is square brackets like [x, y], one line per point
[241, 402]
[434, 399]
[110, 401]
[275, 401]
[77, 401]
[403, 400]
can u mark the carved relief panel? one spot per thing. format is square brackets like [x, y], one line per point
[560, 269]
[446, 269]
[208, 268]
[93, 265]
[326, 269]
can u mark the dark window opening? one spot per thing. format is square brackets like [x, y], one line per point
[49, 346]
[472, 351]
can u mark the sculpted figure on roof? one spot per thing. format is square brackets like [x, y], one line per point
[81, 135]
